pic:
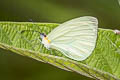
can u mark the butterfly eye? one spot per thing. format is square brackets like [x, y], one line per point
[44, 35]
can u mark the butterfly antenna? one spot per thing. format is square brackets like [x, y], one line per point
[30, 30]
[31, 20]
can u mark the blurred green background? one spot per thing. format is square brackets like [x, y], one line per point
[16, 67]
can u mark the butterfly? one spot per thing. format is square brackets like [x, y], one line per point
[76, 38]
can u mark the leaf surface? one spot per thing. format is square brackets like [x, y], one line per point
[104, 63]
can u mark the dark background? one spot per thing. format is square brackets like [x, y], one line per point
[16, 67]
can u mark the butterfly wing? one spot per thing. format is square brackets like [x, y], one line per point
[76, 38]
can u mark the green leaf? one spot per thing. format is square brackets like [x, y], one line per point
[104, 63]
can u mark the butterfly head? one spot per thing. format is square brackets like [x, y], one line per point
[45, 40]
[42, 35]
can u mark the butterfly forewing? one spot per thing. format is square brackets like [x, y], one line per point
[76, 38]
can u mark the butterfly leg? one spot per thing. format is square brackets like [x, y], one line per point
[55, 52]
[51, 52]
[41, 47]
[33, 47]
[32, 41]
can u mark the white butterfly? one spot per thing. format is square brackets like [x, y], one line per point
[76, 38]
